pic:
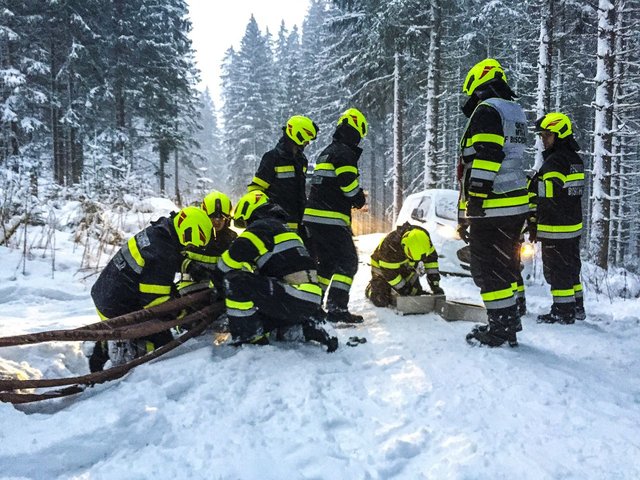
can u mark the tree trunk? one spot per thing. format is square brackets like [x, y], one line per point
[177, 178]
[545, 59]
[603, 135]
[398, 186]
[431, 171]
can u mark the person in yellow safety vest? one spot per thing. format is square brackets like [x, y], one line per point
[271, 284]
[200, 270]
[141, 275]
[335, 190]
[556, 192]
[399, 261]
[494, 200]
[282, 171]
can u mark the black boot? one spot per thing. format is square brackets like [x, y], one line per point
[580, 313]
[563, 313]
[344, 316]
[99, 357]
[315, 329]
[502, 328]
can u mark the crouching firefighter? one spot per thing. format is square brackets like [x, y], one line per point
[270, 279]
[399, 261]
[494, 197]
[557, 195]
[141, 275]
[200, 269]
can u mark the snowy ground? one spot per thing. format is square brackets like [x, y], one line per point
[415, 401]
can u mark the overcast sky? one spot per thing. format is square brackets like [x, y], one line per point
[219, 25]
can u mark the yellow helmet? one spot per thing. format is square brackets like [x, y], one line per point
[481, 73]
[193, 226]
[301, 129]
[555, 122]
[356, 119]
[247, 205]
[416, 244]
[217, 204]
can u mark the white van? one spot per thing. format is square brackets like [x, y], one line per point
[437, 211]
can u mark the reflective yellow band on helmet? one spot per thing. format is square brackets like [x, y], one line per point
[560, 228]
[285, 168]
[157, 289]
[562, 293]
[135, 253]
[248, 305]
[352, 186]
[157, 301]
[347, 169]
[259, 244]
[497, 295]
[260, 182]
[506, 202]
[283, 237]
[486, 165]
[487, 137]
[342, 278]
[476, 194]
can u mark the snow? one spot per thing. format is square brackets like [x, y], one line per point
[415, 401]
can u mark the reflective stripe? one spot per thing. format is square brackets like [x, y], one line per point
[286, 175]
[558, 235]
[157, 301]
[132, 255]
[397, 282]
[487, 137]
[483, 175]
[548, 189]
[562, 293]
[326, 217]
[486, 165]
[202, 258]
[261, 183]
[468, 151]
[307, 292]
[557, 175]
[259, 244]
[278, 248]
[578, 290]
[341, 282]
[157, 289]
[227, 263]
[390, 265]
[323, 280]
[477, 194]
[324, 170]
[560, 228]
[285, 168]
[248, 305]
[497, 304]
[347, 169]
[497, 294]
[506, 202]
[292, 225]
[352, 189]
[283, 237]
[102, 315]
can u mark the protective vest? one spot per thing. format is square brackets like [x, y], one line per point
[493, 163]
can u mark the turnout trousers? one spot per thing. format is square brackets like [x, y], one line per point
[337, 259]
[561, 266]
[495, 246]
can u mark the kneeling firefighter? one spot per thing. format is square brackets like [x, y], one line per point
[141, 275]
[270, 279]
[398, 263]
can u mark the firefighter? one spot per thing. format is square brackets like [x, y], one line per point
[494, 199]
[335, 190]
[200, 269]
[270, 279]
[557, 191]
[282, 171]
[141, 275]
[398, 262]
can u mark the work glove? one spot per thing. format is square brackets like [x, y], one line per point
[359, 199]
[475, 208]
[434, 284]
[463, 231]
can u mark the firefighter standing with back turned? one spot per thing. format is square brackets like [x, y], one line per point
[282, 171]
[335, 190]
[494, 199]
[557, 194]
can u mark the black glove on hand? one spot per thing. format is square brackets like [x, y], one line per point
[436, 290]
[532, 228]
[463, 232]
[359, 200]
[474, 207]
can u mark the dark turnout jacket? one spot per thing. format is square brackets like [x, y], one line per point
[282, 176]
[141, 273]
